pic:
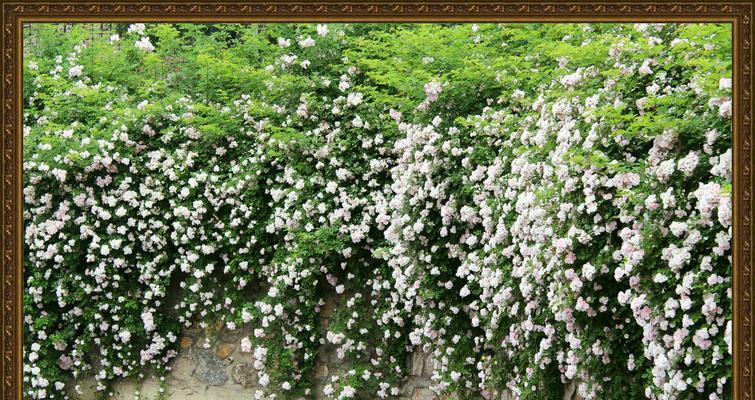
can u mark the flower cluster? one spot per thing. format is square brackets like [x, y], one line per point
[525, 218]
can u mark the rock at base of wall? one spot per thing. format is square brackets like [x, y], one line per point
[244, 374]
[210, 369]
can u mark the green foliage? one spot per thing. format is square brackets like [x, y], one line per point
[182, 174]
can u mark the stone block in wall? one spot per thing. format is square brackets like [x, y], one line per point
[422, 394]
[244, 374]
[233, 335]
[183, 367]
[428, 368]
[416, 363]
[329, 308]
[210, 369]
[223, 350]
[499, 394]
[571, 391]
[321, 369]
[413, 384]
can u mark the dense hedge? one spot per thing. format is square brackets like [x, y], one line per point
[530, 203]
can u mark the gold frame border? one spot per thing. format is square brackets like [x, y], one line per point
[14, 14]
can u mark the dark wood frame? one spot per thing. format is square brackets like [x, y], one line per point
[15, 14]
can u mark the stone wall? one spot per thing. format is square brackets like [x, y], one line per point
[223, 372]
[211, 365]
[217, 369]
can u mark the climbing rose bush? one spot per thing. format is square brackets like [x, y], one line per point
[529, 204]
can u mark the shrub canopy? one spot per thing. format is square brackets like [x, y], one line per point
[528, 203]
